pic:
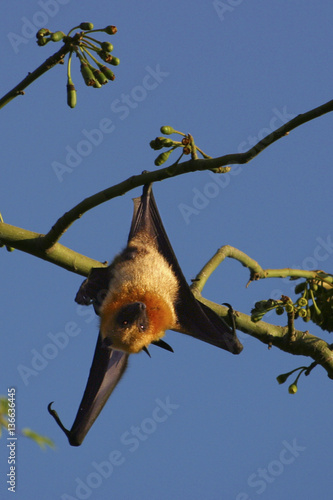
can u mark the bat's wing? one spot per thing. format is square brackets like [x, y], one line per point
[106, 370]
[194, 318]
[94, 289]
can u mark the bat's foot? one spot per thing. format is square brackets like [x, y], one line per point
[231, 315]
[57, 419]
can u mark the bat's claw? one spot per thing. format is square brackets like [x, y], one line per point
[231, 315]
[57, 419]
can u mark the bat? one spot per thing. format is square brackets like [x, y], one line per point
[139, 296]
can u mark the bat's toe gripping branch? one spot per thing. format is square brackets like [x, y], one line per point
[231, 315]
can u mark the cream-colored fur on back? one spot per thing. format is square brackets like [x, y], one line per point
[149, 270]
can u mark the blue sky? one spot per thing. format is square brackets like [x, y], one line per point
[229, 73]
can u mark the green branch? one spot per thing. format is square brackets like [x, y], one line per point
[301, 344]
[52, 61]
[32, 243]
[218, 165]
[256, 271]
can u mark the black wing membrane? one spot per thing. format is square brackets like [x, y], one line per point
[106, 370]
[194, 317]
[108, 365]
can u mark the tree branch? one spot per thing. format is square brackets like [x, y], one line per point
[301, 343]
[48, 64]
[256, 271]
[30, 242]
[218, 165]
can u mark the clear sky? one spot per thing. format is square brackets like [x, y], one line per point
[229, 73]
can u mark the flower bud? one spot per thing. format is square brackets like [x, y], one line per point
[279, 310]
[42, 32]
[158, 143]
[86, 26]
[162, 158]
[166, 130]
[105, 56]
[87, 74]
[100, 77]
[107, 72]
[43, 41]
[57, 36]
[302, 313]
[292, 389]
[107, 46]
[289, 307]
[282, 378]
[308, 316]
[71, 95]
[256, 315]
[114, 61]
[302, 302]
[155, 144]
[167, 143]
[110, 30]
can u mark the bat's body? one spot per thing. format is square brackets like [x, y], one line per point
[138, 297]
[144, 279]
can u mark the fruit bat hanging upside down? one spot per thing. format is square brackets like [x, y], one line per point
[139, 296]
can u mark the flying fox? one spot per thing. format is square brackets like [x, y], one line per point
[139, 296]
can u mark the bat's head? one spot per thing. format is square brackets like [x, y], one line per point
[130, 326]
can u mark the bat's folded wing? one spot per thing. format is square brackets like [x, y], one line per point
[106, 370]
[194, 318]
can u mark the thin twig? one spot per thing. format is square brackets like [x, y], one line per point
[31, 77]
[218, 165]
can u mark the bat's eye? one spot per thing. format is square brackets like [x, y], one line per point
[133, 314]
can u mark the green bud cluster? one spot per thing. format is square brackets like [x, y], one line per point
[262, 307]
[316, 303]
[187, 145]
[44, 36]
[87, 49]
[292, 389]
[163, 142]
